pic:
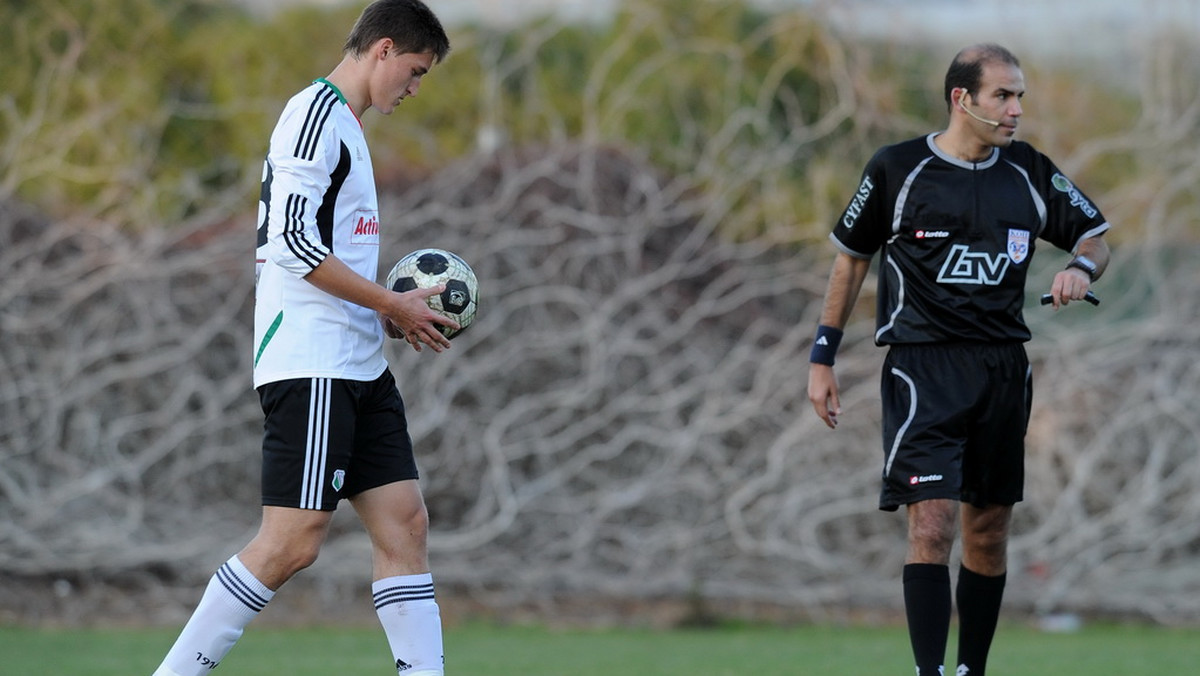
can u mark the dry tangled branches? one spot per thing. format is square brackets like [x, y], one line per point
[627, 418]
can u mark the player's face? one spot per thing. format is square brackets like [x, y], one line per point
[399, 78]
[999, 99]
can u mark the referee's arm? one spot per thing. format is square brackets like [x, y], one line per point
[845, 282]
[1090, 261]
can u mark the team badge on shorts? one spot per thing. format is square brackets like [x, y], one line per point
[1018, 245]
[339, 479]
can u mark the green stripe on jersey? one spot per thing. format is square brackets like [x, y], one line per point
[269, 335]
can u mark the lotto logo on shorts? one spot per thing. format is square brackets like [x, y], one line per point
[924, 479]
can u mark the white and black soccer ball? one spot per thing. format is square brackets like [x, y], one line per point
[425, 268]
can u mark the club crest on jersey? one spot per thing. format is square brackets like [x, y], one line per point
[1018, 245]
[1064, 185]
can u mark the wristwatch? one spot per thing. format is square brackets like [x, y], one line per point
[1086, 264]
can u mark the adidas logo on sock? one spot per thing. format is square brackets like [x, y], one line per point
[402, 666]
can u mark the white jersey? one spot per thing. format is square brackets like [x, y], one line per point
[318, 198]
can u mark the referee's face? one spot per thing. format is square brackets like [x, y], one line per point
[998, 103]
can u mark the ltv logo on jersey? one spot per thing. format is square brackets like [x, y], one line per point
[964, 266]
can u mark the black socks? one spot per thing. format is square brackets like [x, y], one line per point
[927, 605]
[978, 598]
[928, 608]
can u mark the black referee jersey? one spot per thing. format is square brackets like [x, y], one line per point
[957, 237]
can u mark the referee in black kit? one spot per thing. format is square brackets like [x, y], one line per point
[956, 216]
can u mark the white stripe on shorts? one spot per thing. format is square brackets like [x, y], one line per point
[912, 413]
[316, 450]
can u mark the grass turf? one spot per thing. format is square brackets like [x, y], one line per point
[489, 650]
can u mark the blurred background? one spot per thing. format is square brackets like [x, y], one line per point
[644, 189]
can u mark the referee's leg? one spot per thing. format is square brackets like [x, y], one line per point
[981, 580]
[932, 527]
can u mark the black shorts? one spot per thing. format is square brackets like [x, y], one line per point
[327, 439]
[954, 421]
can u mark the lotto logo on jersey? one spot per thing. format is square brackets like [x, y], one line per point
[366, 230]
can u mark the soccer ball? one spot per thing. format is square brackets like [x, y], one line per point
[424, 268]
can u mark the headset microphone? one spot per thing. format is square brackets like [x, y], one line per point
[962, 104]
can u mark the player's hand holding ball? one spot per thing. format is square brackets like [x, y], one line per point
[441, 296]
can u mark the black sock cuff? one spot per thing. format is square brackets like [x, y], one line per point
[926, 571]
[971, 578]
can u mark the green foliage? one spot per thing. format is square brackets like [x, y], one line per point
[87, 105]
[147, 111]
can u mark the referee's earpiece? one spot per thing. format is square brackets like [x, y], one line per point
[962, 103]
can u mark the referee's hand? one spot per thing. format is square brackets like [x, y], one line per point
[823, 393]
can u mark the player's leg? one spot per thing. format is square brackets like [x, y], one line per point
[306, 421]
[394, 516]
[981, 581]
[993, 480]
[287, 541]
[932, 525]
[926, 391]
[402, 585]
[384, 491]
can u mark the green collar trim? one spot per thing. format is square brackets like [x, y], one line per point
[329, 84]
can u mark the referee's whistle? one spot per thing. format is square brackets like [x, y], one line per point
[1089, 297]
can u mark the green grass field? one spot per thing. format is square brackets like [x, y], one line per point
[487, 650]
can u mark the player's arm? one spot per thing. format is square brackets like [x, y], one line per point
[845, 282]
[408, 311]
[1090, 260]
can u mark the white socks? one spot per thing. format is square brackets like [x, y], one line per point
[233, 598]
[412, 622]
[405, 605]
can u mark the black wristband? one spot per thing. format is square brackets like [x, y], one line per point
[825, 345]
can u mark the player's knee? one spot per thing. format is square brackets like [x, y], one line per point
[298, 549]
[405, 541]
[931, 538]
[415, 527]
[305, 556]
[986, 533]
[992, 544]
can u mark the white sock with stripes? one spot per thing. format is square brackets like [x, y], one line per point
[412, 622]
[233, 598]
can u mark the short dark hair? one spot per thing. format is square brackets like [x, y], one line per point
[966, 70]
[409, 23]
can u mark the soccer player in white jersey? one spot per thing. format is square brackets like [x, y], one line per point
[335, 424]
